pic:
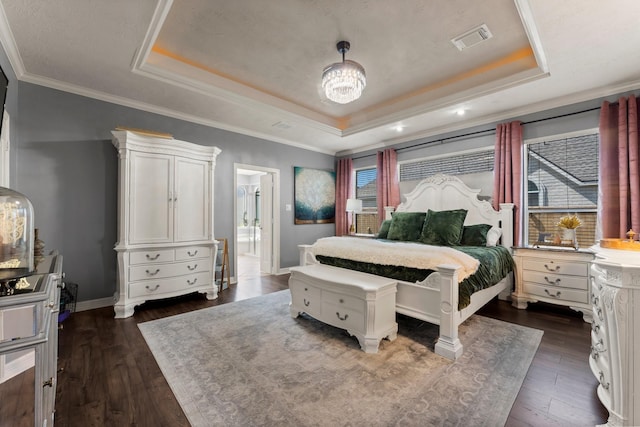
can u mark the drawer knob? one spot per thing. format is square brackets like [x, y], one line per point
[556, 268]
[155, 288]
[552, 282]
[552, 295]
[192, 268]
[154, 273]
[346, 316]
[341, 301]
[192, 254]
[192, 282]
[152, 258]
[306, 303]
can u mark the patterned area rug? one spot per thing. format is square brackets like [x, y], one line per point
[249, 363]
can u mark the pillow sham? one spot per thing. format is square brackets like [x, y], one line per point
[493, 235]
[475, 235]
[406, 226]
[443, 228]
[384, 229]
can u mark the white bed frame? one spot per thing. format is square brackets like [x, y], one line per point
[435, 300]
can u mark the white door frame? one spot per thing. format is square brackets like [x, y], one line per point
[275, 241]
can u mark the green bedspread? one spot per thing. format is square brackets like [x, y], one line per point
[495, 263]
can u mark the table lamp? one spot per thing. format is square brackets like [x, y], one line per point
[353, 206]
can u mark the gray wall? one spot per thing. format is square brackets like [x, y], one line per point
[541, 124]
[67, 166]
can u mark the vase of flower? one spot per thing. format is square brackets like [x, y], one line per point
[569, 224]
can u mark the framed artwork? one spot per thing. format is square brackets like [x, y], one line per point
[314, 196]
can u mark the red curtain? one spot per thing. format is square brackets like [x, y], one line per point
[344, 191]
[388, 187]
[507, 171]
[619, 177]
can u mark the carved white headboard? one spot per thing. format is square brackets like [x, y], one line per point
[446, 192]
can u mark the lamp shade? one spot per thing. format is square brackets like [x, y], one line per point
[354, 205]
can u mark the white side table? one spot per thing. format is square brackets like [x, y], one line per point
[556, 276]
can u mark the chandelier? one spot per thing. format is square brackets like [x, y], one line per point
[343, 82]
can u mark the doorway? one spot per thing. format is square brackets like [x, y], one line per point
[256, 222]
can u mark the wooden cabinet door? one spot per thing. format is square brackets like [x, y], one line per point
[192, 204]
[151, 198]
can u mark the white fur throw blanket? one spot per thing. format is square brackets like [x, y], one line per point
[385, 252]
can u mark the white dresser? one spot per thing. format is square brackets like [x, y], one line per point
[363, 304]
[556, 276]
[166, 244]
[615, 333]
[41, 299]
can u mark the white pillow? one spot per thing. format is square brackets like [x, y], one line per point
[493, 235]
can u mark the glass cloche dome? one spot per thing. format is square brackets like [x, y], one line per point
[16, 235]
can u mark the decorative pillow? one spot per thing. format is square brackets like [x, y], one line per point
[384, 229]
[475, 235]
[493, 235]
[406, 226]
[443, 228]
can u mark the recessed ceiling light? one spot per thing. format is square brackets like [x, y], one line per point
[398, 128]
[460, 112]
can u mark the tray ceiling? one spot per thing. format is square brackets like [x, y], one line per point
[254, 67]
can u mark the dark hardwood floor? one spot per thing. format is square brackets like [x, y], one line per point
[109, 377]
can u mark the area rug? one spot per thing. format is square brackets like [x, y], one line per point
[249, 363]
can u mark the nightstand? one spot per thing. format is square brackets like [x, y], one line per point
[556, 276]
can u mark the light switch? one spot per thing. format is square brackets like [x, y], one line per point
[287, 207]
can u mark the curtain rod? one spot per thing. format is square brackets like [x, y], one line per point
[442, 140]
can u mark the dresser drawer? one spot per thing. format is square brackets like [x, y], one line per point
[156, 287]
[343, 301]
[153, 271]
[308, 297]
[557, 293]
[192, 252]
[155, 256]
[342, 317]
[550, 279]
[555, 266]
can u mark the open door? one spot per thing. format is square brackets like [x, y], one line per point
[266, 223]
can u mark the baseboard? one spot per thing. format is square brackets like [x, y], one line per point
[94, 303]
[17, 366]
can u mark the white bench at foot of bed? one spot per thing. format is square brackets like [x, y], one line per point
[361, 303]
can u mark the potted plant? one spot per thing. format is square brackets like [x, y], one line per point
[568, 224]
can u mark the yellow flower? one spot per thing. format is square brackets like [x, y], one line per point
[569, 221]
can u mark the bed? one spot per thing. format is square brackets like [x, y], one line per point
[435, 298]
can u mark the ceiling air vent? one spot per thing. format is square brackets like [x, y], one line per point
[281, 125]
[472, 37]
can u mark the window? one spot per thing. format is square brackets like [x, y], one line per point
[562, 179]
[366, 190]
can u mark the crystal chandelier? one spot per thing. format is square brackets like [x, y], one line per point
[343, 82]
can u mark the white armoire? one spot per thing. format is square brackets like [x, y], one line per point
[165, 244]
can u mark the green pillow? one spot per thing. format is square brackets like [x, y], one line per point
[443, 228]
[475, 235]
[384, 229]
[406, 226]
